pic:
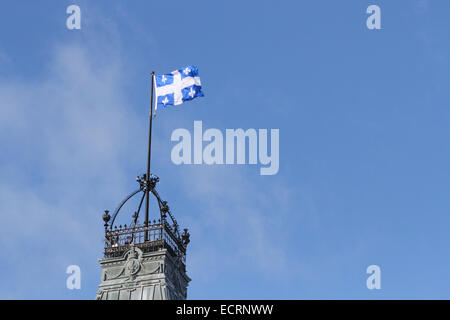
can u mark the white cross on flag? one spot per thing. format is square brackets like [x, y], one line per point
[174, 88]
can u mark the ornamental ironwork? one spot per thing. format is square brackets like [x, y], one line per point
[150, 236]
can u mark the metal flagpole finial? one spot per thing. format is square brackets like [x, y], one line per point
[154, 84]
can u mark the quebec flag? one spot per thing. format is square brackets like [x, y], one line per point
[174, 88]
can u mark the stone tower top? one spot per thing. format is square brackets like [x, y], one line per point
[144, 261]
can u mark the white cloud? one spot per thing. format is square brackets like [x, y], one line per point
[422, 6]
[70, 142]
[245, 219]
[65, 141]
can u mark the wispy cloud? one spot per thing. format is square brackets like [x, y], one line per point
[422, 6]
[69, 143]
[243, 218]
[64, 138]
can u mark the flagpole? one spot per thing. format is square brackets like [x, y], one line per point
[149, 156]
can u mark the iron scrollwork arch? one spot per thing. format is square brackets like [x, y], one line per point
[164, 209]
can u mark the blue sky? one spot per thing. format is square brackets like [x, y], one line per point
[364, 155]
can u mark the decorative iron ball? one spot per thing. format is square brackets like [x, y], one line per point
[106, 216]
